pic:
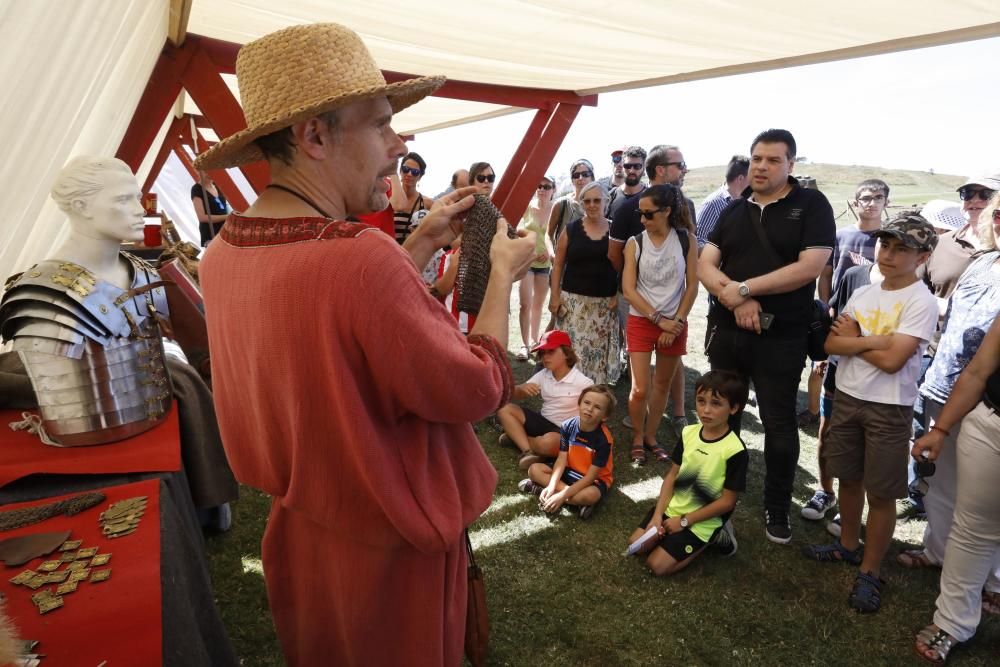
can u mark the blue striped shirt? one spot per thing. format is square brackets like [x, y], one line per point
[708, 213]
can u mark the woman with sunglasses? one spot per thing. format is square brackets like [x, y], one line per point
[567, 208]
[584, 299]
[408, 205]
[969, 584]
[482, 176]
[535, 284]
[660, 284]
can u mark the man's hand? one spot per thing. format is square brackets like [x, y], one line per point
[729, 295]
[531, 389]
[747, 315]
[846, 326]
[929, 445]
[444, 222]
[511, 257]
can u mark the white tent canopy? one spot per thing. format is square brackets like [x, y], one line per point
[74, 71]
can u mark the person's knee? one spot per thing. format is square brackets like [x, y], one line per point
[511, 411]
[540, 473]
[879, 502]
[638, 394]
[660, 563]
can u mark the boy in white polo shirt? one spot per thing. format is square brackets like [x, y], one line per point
[880, 335]
[559, 384]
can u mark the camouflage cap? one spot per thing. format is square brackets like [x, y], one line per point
[912, 229]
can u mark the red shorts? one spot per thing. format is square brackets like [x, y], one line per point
[641, 336]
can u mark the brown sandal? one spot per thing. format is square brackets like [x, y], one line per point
[915, 559]
[638, 454]
[658, 451]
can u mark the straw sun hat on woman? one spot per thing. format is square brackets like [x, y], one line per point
[300, 72]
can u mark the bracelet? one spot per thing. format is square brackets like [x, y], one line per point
[655, 317]
[938, 428]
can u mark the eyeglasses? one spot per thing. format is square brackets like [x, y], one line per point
[591, 202]
[968, 193]
[680, 165]
[616, 158]
[649, 214]
[633, 166]
[416, 171]
[921, 470]
[582, 174]
[482, 178]
[544, 186]
[868, 199]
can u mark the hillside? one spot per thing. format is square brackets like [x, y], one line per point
[838, 181]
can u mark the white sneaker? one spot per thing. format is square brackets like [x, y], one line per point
[817, 507]
[522, 354]
[834, 526]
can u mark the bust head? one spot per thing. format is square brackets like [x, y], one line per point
[101, 197]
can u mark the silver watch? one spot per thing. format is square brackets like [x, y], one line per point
[684, 521]
[744, 290]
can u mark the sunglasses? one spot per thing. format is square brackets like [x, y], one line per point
[616, 158]
[482, 178]
[632, 166]
[590, 202]
[680, 165]
[582, 174]
[416, 171]
[967, 193]
[544, 186]
[872, 198]
[649, 214]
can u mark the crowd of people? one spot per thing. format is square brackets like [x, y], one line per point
[336, 384]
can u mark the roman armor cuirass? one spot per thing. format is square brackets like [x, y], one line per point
[93, 352]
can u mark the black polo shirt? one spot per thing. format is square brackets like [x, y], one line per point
[801, 220]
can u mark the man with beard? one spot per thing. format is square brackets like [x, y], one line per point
[633, 160]
[344, 390]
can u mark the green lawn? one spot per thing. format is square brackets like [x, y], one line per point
[560, 593]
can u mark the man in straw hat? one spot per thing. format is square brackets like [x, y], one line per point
[344, 390]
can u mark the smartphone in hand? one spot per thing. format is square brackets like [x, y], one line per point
[766, 320]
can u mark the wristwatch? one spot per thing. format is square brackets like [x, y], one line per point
[684, 521]
[744, 290]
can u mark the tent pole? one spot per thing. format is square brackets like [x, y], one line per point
[520, 157]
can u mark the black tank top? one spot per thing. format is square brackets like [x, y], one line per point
[588, 270]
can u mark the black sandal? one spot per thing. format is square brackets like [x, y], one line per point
[658, 451]
[638, 454]
[866, 596]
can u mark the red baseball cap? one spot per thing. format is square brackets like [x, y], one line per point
[617, 152]
[550, 340]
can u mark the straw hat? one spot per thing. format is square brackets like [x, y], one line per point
[300, 72]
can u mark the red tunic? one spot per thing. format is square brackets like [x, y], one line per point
[345, 392]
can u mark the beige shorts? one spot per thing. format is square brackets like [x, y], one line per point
[869, 442]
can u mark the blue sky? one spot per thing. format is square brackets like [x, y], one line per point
[935, 108]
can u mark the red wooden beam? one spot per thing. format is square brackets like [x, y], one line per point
[205, 85]
[169, 141]
[229, 189]
[541, 157]
[186, 160]
[157, 99]
[520, 157]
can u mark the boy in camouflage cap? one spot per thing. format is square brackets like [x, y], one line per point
[913, 230]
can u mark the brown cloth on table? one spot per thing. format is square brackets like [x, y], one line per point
[209, 476]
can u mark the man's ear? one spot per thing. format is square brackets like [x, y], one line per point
[311, 137]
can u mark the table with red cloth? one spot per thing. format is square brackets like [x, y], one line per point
[158, 606]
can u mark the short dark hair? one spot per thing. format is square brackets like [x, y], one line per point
[476, 168]
[774, 136]
[280, 144]
[739, 165]
[635, 151]
[603, 390]
[416, 158]
[670, 195]
[454, 178]
[724, 384]
[658, 157]
[873, 184]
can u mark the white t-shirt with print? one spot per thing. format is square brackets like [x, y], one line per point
[912, 311]
[559, 397]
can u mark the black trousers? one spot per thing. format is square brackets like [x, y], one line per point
[775, 364]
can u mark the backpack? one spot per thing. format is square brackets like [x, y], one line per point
[682, 237]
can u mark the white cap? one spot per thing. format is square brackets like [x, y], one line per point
[943, 214]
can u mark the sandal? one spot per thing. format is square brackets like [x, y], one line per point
[834, 553]
[915, 559]
[866, 596]
[991, 602]
[638, 454]
[658, 451]
[938, 641]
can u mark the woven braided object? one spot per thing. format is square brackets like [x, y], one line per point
[474, 261]
[18, 518]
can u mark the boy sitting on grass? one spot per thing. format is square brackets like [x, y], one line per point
[582, 473]
[700, 490]
[880, 337]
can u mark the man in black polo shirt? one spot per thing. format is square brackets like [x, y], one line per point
[760, 309]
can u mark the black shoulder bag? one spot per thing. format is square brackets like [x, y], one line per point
[820, 323]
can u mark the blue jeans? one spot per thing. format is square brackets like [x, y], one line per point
[775, 364]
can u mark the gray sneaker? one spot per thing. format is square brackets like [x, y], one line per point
[817, 507]
[627, 422]
[834, 526]
[527, 486]
[724, 539]
[678, 422]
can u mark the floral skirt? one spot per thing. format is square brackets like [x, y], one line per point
[592, 325]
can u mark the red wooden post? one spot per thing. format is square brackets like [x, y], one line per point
[186, 160]
[517, 161]
[226, 184]
[169, 141]
[524, 187]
